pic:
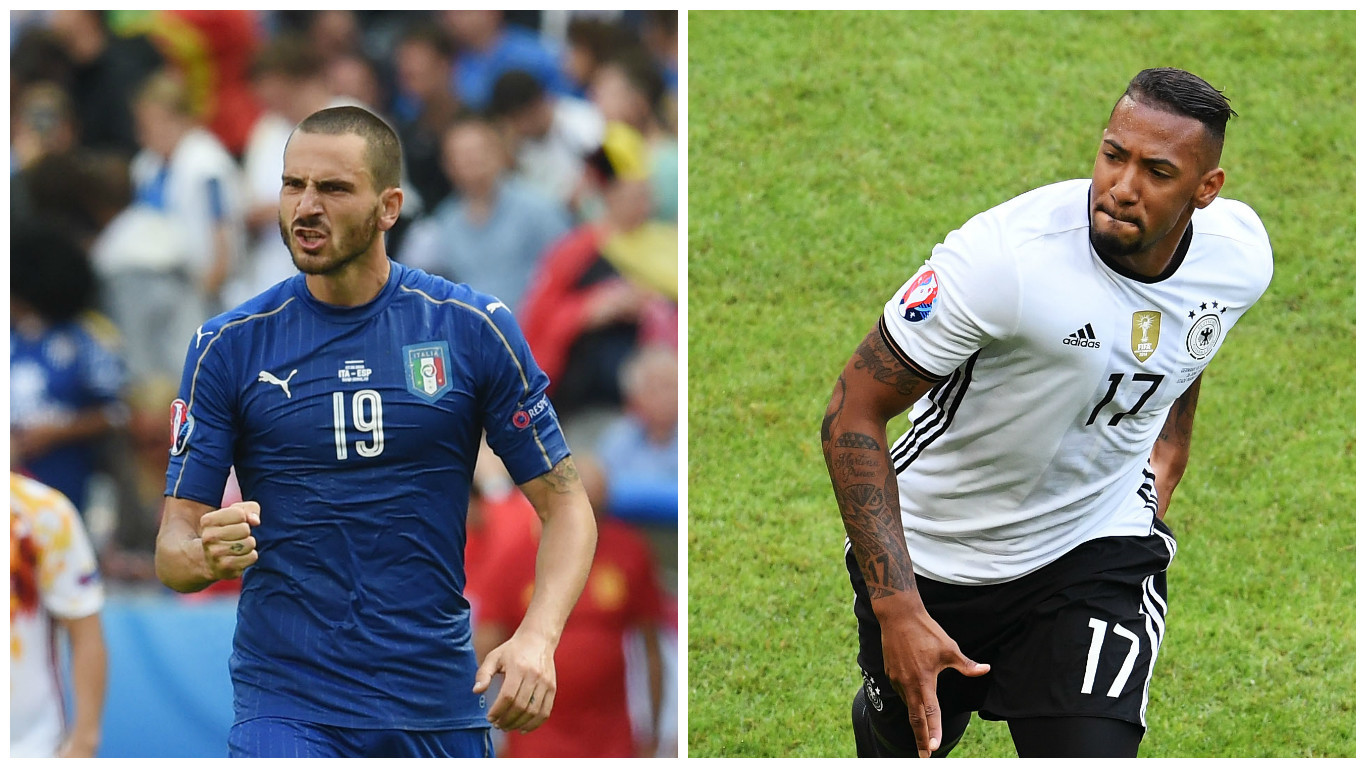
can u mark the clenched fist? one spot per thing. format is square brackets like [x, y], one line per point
[229, 547]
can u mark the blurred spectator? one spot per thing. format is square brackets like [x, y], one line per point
[628, 88]
[424, 106]
[290, 82]
[604, 285]
[212, 51]
[107, 70]
[548, 134]
[36, 60]
[185, 173]
[354, 76]
[660, 35]
[334, 32]
[622, 600]
[54, 177]
[489, 47]
[340, 34]
[42, 124]
[592, 41]
[640, 448]
[495, 230]
[66, 377]
[54, 584]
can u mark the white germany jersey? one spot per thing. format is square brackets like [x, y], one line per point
[1059, 370]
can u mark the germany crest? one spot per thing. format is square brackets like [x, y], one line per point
[428, 369]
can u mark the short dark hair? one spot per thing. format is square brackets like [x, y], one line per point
[383, 154]
[514, 91]
[1180, 92]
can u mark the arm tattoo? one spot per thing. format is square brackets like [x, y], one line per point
[1180, 423]
[872, 519]
[835, 408]
[563, 477]
[854, 440]
[871, 511]
[861, 470]
[875, 356]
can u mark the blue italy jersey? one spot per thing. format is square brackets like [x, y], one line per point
[357, 429]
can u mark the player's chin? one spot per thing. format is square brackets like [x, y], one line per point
[1112, 244]
[313, 264]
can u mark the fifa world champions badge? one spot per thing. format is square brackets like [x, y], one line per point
[427, 367]
[920, 296]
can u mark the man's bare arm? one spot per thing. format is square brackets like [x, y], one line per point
[1173, 446]
[874, 387]
[563, 558]
[89, 669]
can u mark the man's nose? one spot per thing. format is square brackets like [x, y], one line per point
[1125, 190]
[310, 202]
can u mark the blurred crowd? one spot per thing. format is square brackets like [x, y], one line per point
[541, 166]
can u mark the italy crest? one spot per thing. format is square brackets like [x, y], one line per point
[428, 369]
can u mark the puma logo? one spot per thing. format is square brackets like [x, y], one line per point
[199, 334]
[495, 305]
[269, 378]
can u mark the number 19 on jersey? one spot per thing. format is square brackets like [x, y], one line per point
[367, 415]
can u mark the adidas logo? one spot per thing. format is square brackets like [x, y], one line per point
[1083, 337]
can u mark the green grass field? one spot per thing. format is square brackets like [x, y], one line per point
[828, 153]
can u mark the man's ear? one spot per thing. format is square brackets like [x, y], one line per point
[1210, 184]
[391, 204]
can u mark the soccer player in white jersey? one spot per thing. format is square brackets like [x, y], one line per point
[1008, 554]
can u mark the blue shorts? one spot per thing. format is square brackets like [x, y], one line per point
[282, 737]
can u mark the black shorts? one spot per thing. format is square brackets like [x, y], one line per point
[1077, 638]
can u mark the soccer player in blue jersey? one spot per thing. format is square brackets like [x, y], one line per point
[351, 399]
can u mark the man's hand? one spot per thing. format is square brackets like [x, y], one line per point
[915, 650]
[225, 534]
[527, 664]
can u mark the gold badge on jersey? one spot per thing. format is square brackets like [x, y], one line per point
[1144, 335]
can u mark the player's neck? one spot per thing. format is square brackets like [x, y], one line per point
[355, 284]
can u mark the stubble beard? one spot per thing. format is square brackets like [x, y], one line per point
[344, 247]
[1111, 246]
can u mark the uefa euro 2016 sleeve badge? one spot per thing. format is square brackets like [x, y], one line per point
[918, 300]
[182, 425]
[427, 367]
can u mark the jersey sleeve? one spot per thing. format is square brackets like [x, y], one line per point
[966, 295]
[202, 424]
[68, 578]
[521, 424]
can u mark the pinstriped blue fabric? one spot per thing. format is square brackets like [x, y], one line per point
[357, 429]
